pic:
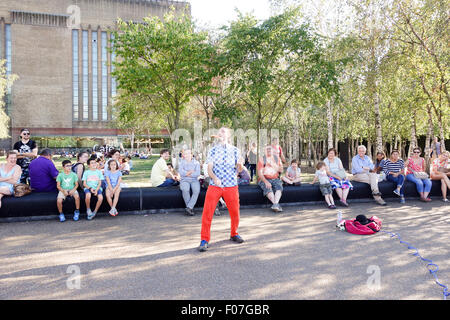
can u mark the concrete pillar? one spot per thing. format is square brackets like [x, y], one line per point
[109, 74]
[2, 39]
[80, 75]
[90, 70]
[99, 72]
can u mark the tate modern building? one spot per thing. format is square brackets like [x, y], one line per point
[59, 51]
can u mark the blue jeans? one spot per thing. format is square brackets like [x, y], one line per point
[421, 185]
[399, 182]
[168, 183]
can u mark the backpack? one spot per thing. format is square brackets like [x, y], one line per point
[74, 167]
[354, 227]
[21, 189]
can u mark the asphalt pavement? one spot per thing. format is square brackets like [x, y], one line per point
[294, 255]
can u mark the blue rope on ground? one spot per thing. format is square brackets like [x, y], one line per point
[430, 264]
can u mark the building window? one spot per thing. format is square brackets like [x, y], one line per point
[75, 73]
[8, 65]
[85, 75]
[39, 19]
[94, 76]
[104, 76]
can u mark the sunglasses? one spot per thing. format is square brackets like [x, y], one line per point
[26, 133]
[416, 151]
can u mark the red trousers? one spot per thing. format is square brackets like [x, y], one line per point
[231, 197]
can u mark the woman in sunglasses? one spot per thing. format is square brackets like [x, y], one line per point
[26, 150]
[415, 172]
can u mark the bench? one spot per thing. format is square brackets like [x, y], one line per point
[154, 200]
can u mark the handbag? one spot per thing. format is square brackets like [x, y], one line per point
[420, 175]
[21, 189]
[443, 170]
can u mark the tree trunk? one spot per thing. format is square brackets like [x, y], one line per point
[400, 147]
[379, 134]
[336, 134]
[309, 147]
[315, 151]
[428, 137]
[330, 124]
[413, 143]
[295, 143]
[369, 148]
[132, 141]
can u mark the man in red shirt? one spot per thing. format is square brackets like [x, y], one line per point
[269, 169]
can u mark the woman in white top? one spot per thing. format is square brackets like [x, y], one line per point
[10, 173]
[338, 176]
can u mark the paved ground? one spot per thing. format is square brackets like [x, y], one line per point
[295, 255]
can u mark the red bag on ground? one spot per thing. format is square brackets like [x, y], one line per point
[356, 227]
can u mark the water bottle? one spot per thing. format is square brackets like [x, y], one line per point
[339, 217]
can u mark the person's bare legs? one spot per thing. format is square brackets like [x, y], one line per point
[116, 197]
[445, 183]
[345, 194]
[339, 193]
[109, 196]
[271, 197]
[285, 179]
[99, 202]
[277, 196]
[88, 201]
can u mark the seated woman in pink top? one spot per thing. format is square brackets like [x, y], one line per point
[417, 164]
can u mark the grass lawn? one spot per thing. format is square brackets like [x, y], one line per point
[140, 173]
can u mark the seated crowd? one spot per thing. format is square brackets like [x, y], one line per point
[99, 177]
[330, 174]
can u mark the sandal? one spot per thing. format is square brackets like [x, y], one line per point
[344, 203]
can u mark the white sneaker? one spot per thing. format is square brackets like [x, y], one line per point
[89, 214]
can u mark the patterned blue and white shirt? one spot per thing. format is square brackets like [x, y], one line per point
[224, 158]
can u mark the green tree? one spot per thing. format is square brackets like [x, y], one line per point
[6, 82]
[272, 62]
[164, 59]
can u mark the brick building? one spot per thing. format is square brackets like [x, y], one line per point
[59, 50]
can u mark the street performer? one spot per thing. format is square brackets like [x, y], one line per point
[222, 169]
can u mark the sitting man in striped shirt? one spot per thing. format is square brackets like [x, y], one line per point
[394, 168]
